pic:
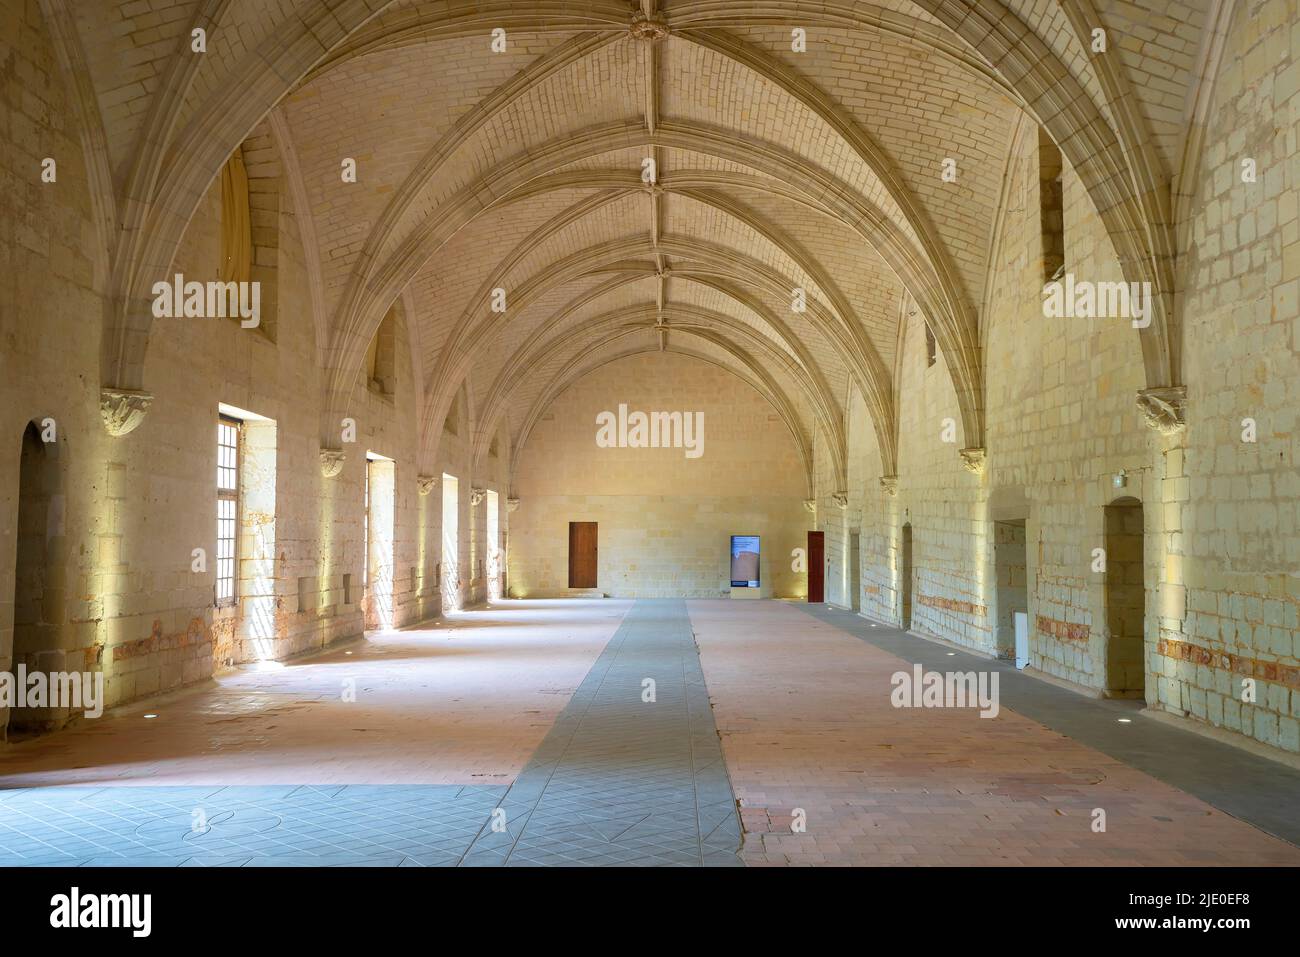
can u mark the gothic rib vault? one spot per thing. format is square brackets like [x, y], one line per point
[779, 170]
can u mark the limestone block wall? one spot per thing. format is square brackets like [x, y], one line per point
[1231, 507]
[121, 593]
[1220, 500]
[49, 323]
[1061, 422]
[870, 510]
[665, 520]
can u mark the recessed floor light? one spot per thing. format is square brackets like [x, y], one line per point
[151, 716]
[1125, 720]
[951, 653]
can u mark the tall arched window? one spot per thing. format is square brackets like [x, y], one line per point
[381, 359]
[236, 222]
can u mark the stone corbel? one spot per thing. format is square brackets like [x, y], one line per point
[123, 410]
[890, 484]
[512, 504]
[331, 462]
[840, 499]
[1164, 408]
[810, 504]
[973, 459]
[425, 483]
[476, 496]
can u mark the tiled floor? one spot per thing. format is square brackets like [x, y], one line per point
[466, 701]
[519, 735]
[1263, 793]
[610, 778]
[803, 707]
[243, 826]
[632, 771]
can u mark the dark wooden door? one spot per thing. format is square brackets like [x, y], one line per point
[816, 566]
[582, 554]
[907, 577]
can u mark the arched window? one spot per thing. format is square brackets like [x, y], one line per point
[236, 222]
[381, 358]
[250, 223]
[1051, 206]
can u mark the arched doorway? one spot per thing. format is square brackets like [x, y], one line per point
[1011, 582]
[38, 573]
[905, 577]
[1125, 599]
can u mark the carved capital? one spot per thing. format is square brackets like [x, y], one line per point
[840, 499]
[972, 459]
[476, 496]
[810, 504]
[122, 409]
[425, 483]
[331, 462]
[1164, 408]
[512, 504]
[890, 484]
[647, 28]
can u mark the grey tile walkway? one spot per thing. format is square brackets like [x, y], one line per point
[619, 780]
[616, 781]
[1254, 789]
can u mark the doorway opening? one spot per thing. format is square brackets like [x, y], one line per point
[449, 567]
[1011, 584]
[855, 570]
[816, 566]
[493, 547]
[381, 474]
[1125, 600]
[38, 575]
[583, 551]
[905, 577]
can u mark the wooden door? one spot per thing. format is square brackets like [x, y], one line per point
[855, 571]
[816, 566]
[582, 554]
[906, 616]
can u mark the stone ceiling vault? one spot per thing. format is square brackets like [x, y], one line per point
[522, 170]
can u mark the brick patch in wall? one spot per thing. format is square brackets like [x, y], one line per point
[196, 633]
[1288, 675]
[1063, 630]
[951, 604]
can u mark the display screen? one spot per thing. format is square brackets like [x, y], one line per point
[744, 561]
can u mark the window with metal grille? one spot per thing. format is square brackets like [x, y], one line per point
[228, 430]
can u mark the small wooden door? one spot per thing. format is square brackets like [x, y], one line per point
[906, 582]
[582, 554]
[855, 571]
[817, 566]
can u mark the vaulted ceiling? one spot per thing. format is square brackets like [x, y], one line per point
[524, 169]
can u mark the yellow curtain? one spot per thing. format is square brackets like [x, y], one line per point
[236, 222]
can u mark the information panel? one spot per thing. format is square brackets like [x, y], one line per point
[744, 561]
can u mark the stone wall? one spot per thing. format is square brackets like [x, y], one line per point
[1220, 514]
[664, 520]
[1231, 507]
[131, 510]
